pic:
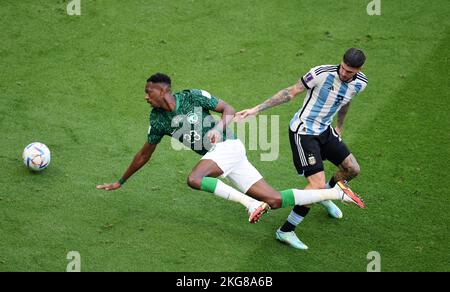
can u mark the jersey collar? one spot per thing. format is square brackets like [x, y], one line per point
[177, 103]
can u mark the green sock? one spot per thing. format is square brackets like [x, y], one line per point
[209, 184]
[287, 198]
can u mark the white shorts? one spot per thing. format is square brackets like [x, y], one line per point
[231, 158]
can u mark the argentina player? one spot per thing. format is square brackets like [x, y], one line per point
[330, 89]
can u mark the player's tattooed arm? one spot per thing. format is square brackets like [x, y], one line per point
[281, 97]
[341, 117]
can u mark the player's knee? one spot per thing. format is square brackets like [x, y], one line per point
[274, 202]
[354, 169]
[316, 182]
[194, 181]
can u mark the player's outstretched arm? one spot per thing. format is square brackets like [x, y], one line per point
[280, 97]
[140, 159]
[227, 112]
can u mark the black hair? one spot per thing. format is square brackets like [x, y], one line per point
[354, 58]
[160, 78]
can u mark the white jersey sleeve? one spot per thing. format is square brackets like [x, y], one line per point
[309, 80]
[361, 78]
[314, 77]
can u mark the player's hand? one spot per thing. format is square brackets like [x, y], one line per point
[240, 116]
[338, 131]
[109, 187]
[214, 136]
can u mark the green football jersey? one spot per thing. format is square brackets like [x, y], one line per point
[189, 123]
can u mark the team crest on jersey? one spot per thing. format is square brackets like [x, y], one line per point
[192, 118]
[308, 77]
[311, 159]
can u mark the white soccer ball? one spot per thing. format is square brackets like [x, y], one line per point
[36, 156]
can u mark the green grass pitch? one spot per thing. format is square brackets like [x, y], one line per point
[76, 84]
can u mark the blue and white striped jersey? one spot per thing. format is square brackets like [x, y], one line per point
[325, 96]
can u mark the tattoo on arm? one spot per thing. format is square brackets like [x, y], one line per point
[281, 97]
[341, 115]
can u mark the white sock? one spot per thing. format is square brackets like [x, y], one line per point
[228, 193]
[307, 197]
[326, 203]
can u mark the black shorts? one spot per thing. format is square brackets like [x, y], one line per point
[309, 152]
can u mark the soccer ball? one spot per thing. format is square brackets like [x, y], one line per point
[36, 156]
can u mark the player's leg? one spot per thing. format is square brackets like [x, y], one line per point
[307, 159]
[204, 168]
[261, 190]
[316, 181]
[339, 154]
[334, 150]
[248, 179]
[204, 177]
[286, 233]
[221, 161]
[332, 209]
[348, 169]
